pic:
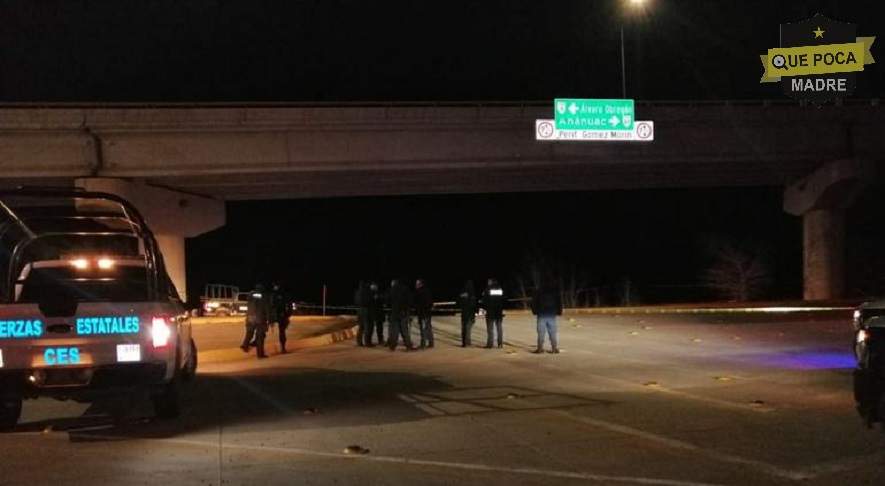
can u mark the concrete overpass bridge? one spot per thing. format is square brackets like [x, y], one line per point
[179, 162]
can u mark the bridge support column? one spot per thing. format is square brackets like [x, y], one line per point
[823, 254]
[172, 247]
[171, 215]
[821, 198]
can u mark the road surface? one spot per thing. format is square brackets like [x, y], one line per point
[756, 399]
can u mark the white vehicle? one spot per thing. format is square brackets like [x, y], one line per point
[86, 305]
[219, 300]
[224, 300]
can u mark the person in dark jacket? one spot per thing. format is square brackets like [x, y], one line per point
[280, 312]
[468, 304]
[362, 299]
[376, 311]
[547, 305]
[257, 320]
[423, 310]
[400, 301]
[492, 300]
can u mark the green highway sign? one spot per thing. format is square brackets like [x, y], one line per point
[643, 131]
[578, 114]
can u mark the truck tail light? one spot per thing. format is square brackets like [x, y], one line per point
[161, 332]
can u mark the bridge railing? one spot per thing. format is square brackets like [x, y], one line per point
[416, 104]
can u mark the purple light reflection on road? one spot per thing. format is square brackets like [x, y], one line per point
[810, 360]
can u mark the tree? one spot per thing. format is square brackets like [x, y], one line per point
[528, 276]
[737, 273]
[629, 293]
[573, 287]
[537, 267]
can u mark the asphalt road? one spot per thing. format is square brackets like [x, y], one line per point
[663, 400]
[216, 337]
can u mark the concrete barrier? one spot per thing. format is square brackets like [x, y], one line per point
[335, 329]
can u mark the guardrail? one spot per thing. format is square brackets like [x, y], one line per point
[450, 307]
[402, 104]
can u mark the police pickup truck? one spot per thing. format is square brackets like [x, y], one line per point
[86, 305]
[869, 351]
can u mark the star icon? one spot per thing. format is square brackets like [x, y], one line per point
[818, 33]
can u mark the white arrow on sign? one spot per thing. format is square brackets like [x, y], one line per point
[613, 121]
[573, 109]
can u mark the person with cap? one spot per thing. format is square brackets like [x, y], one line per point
[423, 311]
[468, 305]
[547, 305]
[492, 300]
[280, 312]
[257, 320]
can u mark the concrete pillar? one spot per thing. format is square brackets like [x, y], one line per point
[172, 248]
[172, 216]
[823, 254]
[821, 198]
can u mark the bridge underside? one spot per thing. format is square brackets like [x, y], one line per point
[254, 152]
[512, 177]
[278, 184]
[236, 153]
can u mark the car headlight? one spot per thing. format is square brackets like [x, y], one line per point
[861, 337]
[860, 347]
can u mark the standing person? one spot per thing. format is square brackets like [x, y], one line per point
[249, 338]
[423, 310]
[362, 300]
[280, 311]
[547, 304]
[467, 303]
[399, 301]
[493, 303]
[257, 320]
[376, 311]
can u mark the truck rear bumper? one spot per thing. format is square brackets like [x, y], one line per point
[70, 382]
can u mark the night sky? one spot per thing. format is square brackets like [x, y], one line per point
[434, 50]
[358, 50]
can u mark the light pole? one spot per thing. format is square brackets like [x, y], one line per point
[634, 5]
[623, 67]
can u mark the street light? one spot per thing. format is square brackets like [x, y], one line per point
[632, 6]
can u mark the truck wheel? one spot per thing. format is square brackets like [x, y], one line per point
[881, 412]
[165, 397]
[190, 368]
[10, 412]
[222, 313]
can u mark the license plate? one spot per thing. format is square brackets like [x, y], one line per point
[128, 353]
